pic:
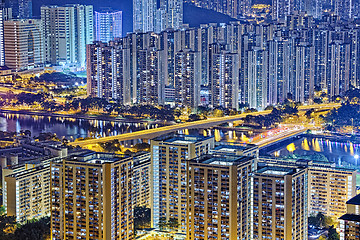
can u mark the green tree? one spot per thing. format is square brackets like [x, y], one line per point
[162, 223]
[34, 230]
[332, 234]
[309, 112]
[142, 217]
[173, 224]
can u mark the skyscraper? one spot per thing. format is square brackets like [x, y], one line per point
[108, 25]
[144, 15]
[5, 14]
[280, 203]
[187, 78]
[149, 16]
[169, 190]
[170, 15]
[21, 9]
[91, 197]
[257, 70]
[224, 77]
[109, 80]
[219, 197]
[67, 30]
[23, 44]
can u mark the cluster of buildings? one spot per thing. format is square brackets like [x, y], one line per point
[212, 190]
[58, 38]
[156, 16]
[229, 65]
[346, 9]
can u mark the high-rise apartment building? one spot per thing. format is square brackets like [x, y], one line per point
[256, 65]
[21, 9]
[350, 222]
[147, 82]
[144, 15]
[219, 197]
[5, 14]
[329, 189]
[23, 44]
[187, 78]
[280, 203]
[109, 80]
[91, 197]
[224, 77]
[153, 16]
[281, 8]
[67, 30]
[329, 186]
[338, 68]
[27, 192]
[26, 179]
[141, 180]
[169, 188]
[169, 15]
[232, 8]
[257, 69]
[108, 25]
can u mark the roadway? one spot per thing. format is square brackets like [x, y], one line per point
[151, 133]
[273, 139]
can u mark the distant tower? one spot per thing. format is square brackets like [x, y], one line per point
[108, 25]
[281, 8]
[5, 14]
[149, 17]
[143, 15]
[172, 14]
[23, 44]
[21, 9]
[67, 30]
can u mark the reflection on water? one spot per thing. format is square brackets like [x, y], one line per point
[69, 128]
[342, 153]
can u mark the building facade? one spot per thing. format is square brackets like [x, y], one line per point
[168, 187]
[108, 25]
[91, 197]
[219, 197]
[141, 180]
[67, 30]
[350, 222]
[27, 192]
[23, 44]
[280, 203]
[153, 16]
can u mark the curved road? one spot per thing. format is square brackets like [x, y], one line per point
[151, 133]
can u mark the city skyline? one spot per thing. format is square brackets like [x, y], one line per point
[204, 120]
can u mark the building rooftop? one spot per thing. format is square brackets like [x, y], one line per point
[350, 217]
[354, 201]
[181, 139]
[234, 147]
[279, 171]
[217, 159]
[89, 156]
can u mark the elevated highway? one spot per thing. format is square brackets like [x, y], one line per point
[151, 133]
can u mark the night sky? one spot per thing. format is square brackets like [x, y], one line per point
[192, 16]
